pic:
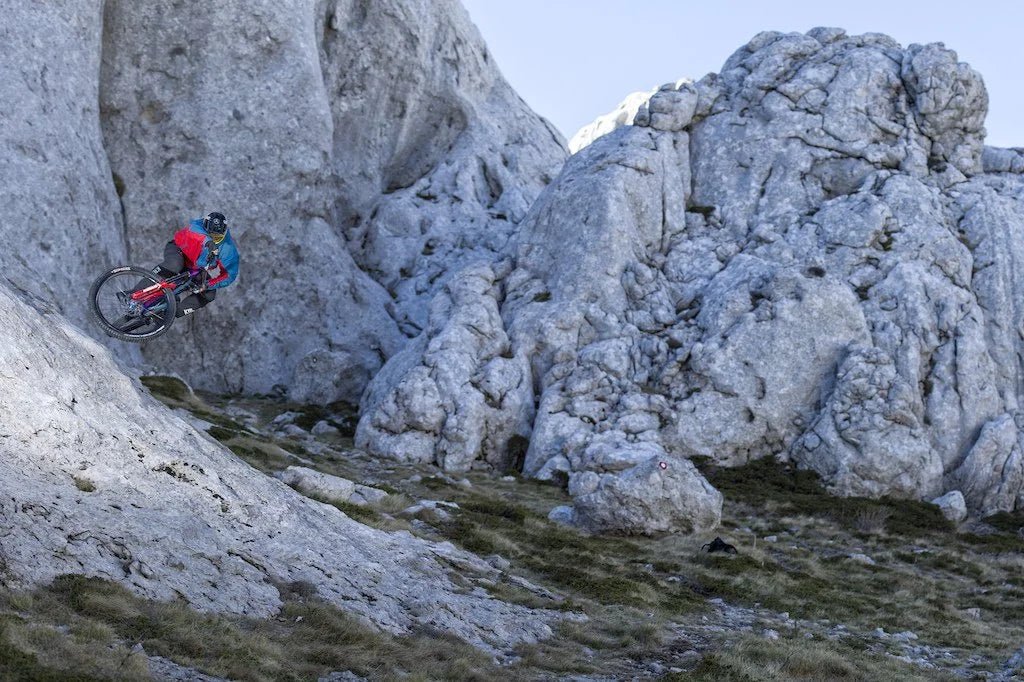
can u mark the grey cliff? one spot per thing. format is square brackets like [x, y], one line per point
[362, 150]
[61, 215]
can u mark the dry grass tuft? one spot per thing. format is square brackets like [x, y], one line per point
[871, 520]
[752, 659]
[82, 629]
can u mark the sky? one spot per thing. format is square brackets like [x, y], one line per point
[573, 60]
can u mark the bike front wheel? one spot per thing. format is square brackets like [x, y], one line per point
[123, 311]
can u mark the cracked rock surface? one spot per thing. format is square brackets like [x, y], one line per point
[810, 254]
[55, 182]
[97, 478]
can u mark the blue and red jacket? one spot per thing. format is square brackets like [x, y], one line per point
[199, 249]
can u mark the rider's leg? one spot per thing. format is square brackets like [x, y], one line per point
[173, 263]
[190, 304]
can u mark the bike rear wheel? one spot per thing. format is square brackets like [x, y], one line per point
[124, 317]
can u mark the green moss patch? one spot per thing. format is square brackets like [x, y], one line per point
[767, 481]
[1007, 522]
[167, 388]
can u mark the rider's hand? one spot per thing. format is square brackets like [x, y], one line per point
[212, 253]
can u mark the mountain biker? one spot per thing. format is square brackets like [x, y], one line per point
[204, 243]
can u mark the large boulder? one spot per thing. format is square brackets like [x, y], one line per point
[809, 255]
[653, 496]
[340, 138]
[99, 479]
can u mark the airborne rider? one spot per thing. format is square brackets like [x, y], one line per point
[204, 243]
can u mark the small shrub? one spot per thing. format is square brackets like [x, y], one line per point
[755, 659]
[767, 481]
[21, 666]
[871, 520]
[341, 415]
[913, 517]
[467, 534]
[496, 507]
[84, 484]
[994, 542]
[355, 512]
[1007, 522]
[516, 447]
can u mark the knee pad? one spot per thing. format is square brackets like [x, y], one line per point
[163, 272]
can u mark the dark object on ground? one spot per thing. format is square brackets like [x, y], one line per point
[718, 545]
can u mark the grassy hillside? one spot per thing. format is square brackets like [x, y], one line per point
[820, 587]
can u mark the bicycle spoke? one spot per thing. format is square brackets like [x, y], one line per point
[133, 318]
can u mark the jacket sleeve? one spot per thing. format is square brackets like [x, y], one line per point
[229, 271]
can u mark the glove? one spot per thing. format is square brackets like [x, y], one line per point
[212, 253]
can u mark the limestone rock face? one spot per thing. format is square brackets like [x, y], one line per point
[991, 476]
[61, 219]
[456, 391]
[223, 107]
[809, 255]
[438, 159]
[340, 138]
[97, 478]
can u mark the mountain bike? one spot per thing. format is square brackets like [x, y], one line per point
[135, 304]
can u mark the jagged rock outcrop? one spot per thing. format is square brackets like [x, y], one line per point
[97, 478]
[341, 138]
[809, 255]
[458, 391]
[438, 158]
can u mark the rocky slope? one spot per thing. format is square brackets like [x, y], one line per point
[810, 254]
[361, 150]
[99, 479]
[266, 112]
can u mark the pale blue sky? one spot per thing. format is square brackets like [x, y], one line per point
[572, 60]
